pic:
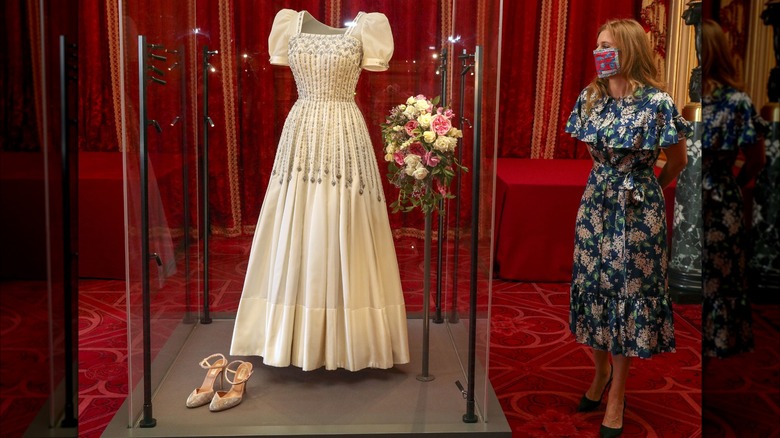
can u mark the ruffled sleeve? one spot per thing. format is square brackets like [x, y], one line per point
[377, 42]
[279, 38]
[728, 119]
[670, 127]
[576, 125]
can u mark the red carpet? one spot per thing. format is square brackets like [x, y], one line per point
[538, 372]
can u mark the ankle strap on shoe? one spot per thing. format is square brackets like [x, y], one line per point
[243, 370]
[219, 363]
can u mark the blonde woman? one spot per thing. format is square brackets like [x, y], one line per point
[620, 305]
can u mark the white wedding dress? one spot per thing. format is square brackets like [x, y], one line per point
[322, 286]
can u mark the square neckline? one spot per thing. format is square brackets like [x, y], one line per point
[343, 31]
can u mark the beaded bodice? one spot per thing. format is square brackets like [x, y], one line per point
[325, 67]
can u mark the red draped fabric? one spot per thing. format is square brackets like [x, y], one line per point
[97, 116]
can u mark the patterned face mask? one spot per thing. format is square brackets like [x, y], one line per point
[607, 63]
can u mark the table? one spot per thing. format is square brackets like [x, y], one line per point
[536, 209]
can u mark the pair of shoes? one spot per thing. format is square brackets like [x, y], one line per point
[217, 365]
[612, 432]
[586, 404]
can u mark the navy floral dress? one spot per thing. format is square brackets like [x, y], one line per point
[619, 293]
[726, 319]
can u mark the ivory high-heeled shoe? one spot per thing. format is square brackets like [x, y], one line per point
[586, 404]
[227, 399]
[203, 395]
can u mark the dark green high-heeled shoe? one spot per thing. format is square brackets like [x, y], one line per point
[613, 432]
[587, 405]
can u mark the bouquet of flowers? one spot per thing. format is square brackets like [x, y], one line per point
[420, 146]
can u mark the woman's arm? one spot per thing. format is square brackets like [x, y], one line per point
[755, 159]
[676, 159]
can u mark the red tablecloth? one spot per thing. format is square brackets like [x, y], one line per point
[536, 208]
[101, 215]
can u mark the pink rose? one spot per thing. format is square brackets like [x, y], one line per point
[421, 97]
[417, 149]
[441, 124]
[410, 126]
[399, 158]
[431, 159]
[448, 114]
[439, 110]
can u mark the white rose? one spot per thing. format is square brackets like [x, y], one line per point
[442, 144]
[455, 132]
[422, 105]
[410, 112]
[412, 160]
[429, 136]
[388, 157]
[452, 143]
[411, 100]
[420, 173]
[424, 120]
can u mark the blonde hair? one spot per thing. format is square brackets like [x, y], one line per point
[717, 62]
[636, 59]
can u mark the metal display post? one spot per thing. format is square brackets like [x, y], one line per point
[441, 233]
[466, 66]
[207, 122]
[424, 376]
[144, 52]
[70, 256]
[470, 416]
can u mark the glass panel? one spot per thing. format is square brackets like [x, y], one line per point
[473, 23]
[32, 259]
[171, 133]
[248, 101]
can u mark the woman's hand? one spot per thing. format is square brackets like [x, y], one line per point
[676, 159]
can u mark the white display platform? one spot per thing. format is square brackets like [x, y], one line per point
[291, 402]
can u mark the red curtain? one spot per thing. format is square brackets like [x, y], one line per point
[97, 121]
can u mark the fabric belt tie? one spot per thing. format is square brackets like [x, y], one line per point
[629, 186]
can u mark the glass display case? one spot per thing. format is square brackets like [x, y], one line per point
[201, 112]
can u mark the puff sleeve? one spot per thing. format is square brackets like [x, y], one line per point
[279, 38]
[377, 42]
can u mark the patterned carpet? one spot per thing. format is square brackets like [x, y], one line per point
[538, 372]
